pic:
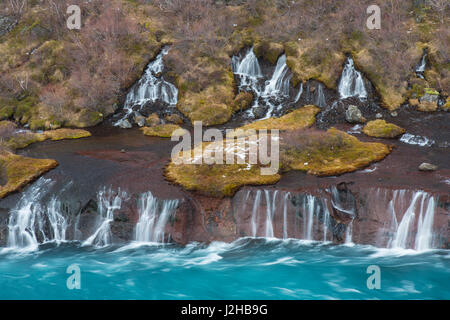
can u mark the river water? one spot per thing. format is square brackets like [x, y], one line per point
[249, 268]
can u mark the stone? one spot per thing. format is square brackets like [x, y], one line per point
[394, 114]
[354, 115]
[378, 116]
[140, 121]
[427, 167]
[125, 124]
[260, 111]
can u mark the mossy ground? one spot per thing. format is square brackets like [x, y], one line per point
[382, 129]
[329, 153]
[162, 130]
[318, 153]
[21, 170]
[24, 139]
[298, 119]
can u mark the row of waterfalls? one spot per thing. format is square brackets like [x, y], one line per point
[36, 221]
[401, 219]
[387, 218]
[272, 90]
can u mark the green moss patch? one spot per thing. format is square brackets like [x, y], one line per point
[382, 129]
[328, 153]
[162, 130]
[20, 171]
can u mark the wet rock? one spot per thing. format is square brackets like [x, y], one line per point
[354, 115]
[140, 121]
[125, 124]
[152, 120]
[260, 111]
[427, 167]
[382, 129]
[429, 102]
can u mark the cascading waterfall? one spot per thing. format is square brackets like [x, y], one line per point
[299, 94]
[420, 68]
[270, 210]
[422, 204]
[108, 202]
[32, 223]
[320, 97]
[273, 93]
[314, 211]
[150, 88]
[351, 83]
[153, 217]
[255, 216]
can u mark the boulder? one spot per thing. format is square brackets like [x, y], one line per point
[140, 121]
[382, 129]
[260, 111]
[428, 102]
[427, 167]
[125, 124]
[354, 115]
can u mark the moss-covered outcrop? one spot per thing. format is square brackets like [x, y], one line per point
[162, 130]
[298, 119]
[382, 129]
[318, 153]
[23, 139]
[19, 171]
[329, 153]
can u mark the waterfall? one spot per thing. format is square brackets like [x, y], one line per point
[255, 216]
[349, 233]
[150, 88]
[247, 69]
[270, 211]
[320, 97]
[351, 83]
[32, 223]
[285, 231]
[420, 68]
[308, 214]
[153, 217]
[273, 93]
[108, 202]
[422, 204]
[299, 94]
[278, 85]
[314, 211]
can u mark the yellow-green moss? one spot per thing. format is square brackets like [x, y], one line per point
[217, 180]
[329, 153]
[20, 171]
[298, 119]
[162, 130]
[22, 140]
[382, 129]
